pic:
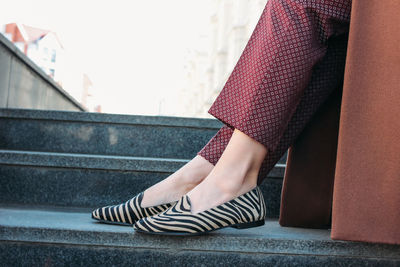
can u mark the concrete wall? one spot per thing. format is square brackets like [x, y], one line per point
[24, 85]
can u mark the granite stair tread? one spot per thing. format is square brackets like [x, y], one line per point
[68, 227]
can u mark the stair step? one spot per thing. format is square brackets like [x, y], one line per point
[82, 180]
[105, 134]
[44, 237]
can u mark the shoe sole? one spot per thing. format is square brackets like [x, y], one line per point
[237, 226]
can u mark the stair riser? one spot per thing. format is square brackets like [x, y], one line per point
[26, 254]
[103, 139]
[79, 187]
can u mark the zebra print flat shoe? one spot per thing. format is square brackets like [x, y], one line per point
[127, 213]
[245, 211]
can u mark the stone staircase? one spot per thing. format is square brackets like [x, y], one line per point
[56, 166]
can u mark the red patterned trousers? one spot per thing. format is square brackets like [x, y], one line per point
[292, 62]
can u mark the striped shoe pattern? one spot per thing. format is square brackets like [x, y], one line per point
[127, 213]
[245, 211]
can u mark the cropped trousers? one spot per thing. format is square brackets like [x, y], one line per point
[293, 61]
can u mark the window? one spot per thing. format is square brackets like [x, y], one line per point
[45, 53]
[53, 55]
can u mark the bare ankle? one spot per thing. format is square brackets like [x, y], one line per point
[236, 185]
[178, 183]
[195, 171]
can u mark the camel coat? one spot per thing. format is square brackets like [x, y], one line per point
[343, 171]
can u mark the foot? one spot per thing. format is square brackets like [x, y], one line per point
[235, 173]
[177, 184]
[179, 221]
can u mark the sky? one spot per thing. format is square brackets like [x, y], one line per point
[132, 50]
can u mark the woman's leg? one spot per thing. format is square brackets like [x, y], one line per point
[327, 76]
[293, 61]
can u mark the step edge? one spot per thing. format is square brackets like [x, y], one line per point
[244, 244]
[88, 161]
[108, 118]
[99, 162]
[261, 238]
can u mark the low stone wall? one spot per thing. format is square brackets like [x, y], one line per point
[24, 85]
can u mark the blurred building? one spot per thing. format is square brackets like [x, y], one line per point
[210, 62]
[42, 46]
[45, 49]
